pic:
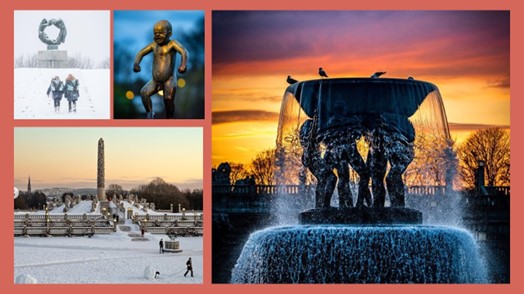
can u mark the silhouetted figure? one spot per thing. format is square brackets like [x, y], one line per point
[400, 153]
[189, 266]
[353, 157]
[322, 73]
[312, 159]
[161, 245]
[377, 163]
[291, 80]
[377, 74]
[335, 159]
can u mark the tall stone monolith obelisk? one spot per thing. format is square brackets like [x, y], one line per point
[100, 179]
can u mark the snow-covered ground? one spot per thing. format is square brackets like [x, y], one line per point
[31, 101]
[117, 258]
[106, 259]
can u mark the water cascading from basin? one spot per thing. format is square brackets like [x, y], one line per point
[359, 254]
[353, 104]
[386, 131]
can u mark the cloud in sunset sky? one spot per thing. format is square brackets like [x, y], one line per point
[465, 53]
[445, 43]
[243, 115]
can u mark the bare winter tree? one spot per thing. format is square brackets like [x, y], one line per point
[114, 190]
[435, 161]
[238, 172]
[106, 64]
[263, 167]
[491, 146]
[27, 61]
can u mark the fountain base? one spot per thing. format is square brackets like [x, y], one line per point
[359, 254]
[361, 216]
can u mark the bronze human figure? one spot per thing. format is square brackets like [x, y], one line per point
[164, 77]
[312, 159]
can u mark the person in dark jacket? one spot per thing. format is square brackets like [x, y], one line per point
[71, 92]
[56, 89]
[161, 244]
[189, 265]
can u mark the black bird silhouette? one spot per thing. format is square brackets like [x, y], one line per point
[291, 80]
[322, 73]
[377, 74]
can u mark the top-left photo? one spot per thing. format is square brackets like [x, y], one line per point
[62, 64]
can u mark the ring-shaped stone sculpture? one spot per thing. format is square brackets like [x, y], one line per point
[59, 23]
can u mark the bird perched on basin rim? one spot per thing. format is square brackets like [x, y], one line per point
[291, 80]
[322, 73]
[377, 74]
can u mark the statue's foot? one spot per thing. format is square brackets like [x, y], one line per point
[151, 115]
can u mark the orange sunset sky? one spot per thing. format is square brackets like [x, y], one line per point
[464, 53]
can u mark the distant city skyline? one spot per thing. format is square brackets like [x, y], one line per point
[67, 157]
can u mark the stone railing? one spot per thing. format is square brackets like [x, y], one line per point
[61, 225]
[59, 216]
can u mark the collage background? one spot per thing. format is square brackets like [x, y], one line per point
[7, 125]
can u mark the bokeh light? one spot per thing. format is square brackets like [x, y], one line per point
[181, 83]
[130, 95]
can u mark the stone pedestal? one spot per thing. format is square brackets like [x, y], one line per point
[52, 59]
[104, 207]
[361, 216]
[172, 246]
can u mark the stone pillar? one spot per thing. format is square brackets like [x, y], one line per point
[100, 180]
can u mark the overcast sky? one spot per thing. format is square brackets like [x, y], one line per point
[88, 33]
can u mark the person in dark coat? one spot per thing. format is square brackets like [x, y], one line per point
[71, 92]
[56, 89]
[161, 244]
[189, 265]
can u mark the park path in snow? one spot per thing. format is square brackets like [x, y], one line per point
[31, 101]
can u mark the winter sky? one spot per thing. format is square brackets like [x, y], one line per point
[464, 53]
[88, 33]
[67, 157]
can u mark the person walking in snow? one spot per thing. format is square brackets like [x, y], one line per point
[71, 92]
[189, 265]
[161, 244]
[56, 89]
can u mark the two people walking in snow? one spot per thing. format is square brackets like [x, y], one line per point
[69, 89]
